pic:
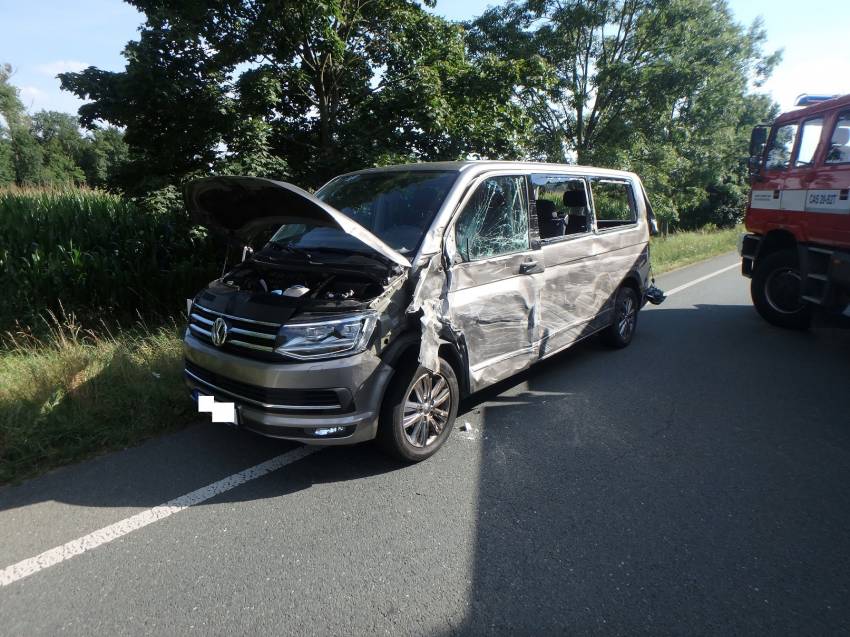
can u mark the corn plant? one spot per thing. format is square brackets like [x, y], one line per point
[95, 254]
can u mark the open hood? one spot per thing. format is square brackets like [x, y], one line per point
[242, 206]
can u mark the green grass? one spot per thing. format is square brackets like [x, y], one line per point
[76, 394]
[683, 248]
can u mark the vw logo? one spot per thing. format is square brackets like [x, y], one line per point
[218, 332]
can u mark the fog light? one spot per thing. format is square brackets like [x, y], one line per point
[330, 431]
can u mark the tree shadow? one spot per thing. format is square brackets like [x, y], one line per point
[616, 496]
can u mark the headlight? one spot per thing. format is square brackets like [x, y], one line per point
[328, 339]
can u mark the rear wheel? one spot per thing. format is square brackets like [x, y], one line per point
[621, 331]
[776, 288]
[419, 411]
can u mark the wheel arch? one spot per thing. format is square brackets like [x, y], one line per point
[633, 281]
[406, 349]
[775, 241]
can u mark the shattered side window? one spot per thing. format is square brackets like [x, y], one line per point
[495, 220]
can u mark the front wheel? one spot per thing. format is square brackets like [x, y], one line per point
[622, 329]
[776, 288]
[419, 411]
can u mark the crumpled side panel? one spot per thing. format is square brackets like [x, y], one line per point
[430, 296]
[501, 328]
[498, 312]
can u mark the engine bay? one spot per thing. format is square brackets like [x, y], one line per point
[303, 284]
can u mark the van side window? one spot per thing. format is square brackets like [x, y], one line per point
[495, 220]
[809, 140]
[779, 153]
[613, 203]
[839, 144]
[561, 204]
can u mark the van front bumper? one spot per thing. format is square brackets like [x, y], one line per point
[295, 400]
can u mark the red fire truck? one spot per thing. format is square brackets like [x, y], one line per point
[797, 250]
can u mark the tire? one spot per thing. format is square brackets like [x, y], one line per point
[622, 329]
[775, 289]
[399, 433]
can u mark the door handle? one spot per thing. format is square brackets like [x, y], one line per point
[527, 267]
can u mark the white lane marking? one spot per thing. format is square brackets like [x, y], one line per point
[88, 542]
[676, 290]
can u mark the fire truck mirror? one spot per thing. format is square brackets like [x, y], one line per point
[757, 140]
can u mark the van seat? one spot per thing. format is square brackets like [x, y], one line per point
[550, 223]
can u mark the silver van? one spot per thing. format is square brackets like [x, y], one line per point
[376, 304]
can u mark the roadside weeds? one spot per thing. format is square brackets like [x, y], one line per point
[74, 395]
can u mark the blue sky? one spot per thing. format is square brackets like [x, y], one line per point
[41, 38]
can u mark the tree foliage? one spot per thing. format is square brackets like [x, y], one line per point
[321, 87]
[306, 90]
[48, 148]
[655, 86]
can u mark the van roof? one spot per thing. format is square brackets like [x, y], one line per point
[814, 109]
[479, 165]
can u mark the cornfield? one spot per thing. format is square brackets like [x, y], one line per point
[95, 255]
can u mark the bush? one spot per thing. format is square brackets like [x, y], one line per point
[96, 255]
[724, 207]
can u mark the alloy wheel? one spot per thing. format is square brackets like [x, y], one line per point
[426, 409]
[628, 313]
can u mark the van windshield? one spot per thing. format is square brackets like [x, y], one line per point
[396, 206]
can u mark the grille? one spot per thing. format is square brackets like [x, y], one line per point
[269, 398]
[243, 335]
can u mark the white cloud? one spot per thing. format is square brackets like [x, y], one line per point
[61, 66]
[48, 98]
[31, 94]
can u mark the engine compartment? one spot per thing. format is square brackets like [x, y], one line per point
[305, 284]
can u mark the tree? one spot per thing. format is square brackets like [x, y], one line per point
[20, 145]
[58, 135]
[103, 156]
[48, 148]
[172, 101]
[658, 86]
[317, 87]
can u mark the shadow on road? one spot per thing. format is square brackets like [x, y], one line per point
[682, 482]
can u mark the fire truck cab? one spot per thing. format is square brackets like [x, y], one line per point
[797, 249]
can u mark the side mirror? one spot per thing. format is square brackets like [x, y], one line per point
[653, 227]
[758, 138]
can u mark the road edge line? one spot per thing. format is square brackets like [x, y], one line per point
[92, 540]
[711, 275]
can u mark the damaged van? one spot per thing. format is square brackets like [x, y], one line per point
[370, 308]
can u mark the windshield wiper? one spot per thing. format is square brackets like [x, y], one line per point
[291, 249]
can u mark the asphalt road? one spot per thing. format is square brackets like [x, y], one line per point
[694, 483]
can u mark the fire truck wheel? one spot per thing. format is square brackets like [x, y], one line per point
[776, 287]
